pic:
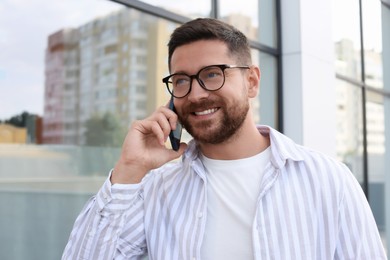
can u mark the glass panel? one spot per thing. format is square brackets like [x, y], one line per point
[267, 23]
[372, 29]
[346, 36]
[109, 79]
[244, 16]
[99, 75]
[194, 9]
[265, 106]
[349, 145]
[376, 155]
[386, 80]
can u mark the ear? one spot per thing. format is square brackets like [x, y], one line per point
[253, 81]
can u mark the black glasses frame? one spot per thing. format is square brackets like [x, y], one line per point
[223, 67]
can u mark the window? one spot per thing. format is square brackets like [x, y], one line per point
[97, 69]
[362, 95]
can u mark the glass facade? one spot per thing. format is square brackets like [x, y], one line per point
[103, 62]
[100, 74]
[361, 94]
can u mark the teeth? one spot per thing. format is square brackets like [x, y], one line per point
[206, 112]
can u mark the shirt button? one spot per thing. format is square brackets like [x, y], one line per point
[200, 215]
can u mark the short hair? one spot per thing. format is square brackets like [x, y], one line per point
[211, 29]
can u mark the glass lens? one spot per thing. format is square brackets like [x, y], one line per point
[212, 77]
[179, 84]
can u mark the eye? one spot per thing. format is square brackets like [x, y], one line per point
[211, 73]
[180, 80]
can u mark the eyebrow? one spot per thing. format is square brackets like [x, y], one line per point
[183, 72]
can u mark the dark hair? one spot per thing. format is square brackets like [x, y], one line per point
[211, 29]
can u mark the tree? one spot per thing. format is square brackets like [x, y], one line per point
[104, 130]
[19, 120]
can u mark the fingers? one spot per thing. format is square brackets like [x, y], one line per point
[178, 153]
[172, 116]
[160, 123]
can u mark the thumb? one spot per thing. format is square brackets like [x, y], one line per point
[176, 154]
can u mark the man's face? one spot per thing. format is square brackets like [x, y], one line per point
[211, 116]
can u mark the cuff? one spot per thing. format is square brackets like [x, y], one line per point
[117, 196]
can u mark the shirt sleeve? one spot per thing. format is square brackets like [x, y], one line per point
[110, 225]
[358, 235]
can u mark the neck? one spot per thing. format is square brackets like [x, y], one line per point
[245, 143]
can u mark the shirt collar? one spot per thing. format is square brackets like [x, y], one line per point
[282, 148]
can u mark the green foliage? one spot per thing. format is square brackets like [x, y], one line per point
[19, 120]
[104, 130]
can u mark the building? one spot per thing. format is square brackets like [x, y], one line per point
[325, 83]
[110, 64]
[60, 119]
[12, 134]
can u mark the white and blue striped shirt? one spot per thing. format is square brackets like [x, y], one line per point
[309, 207]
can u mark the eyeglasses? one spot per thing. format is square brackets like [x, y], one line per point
[210, 78]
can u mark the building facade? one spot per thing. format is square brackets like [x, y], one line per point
[110, 64]
[325, 77]
[325, 92]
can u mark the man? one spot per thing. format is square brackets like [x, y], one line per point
[240, 191]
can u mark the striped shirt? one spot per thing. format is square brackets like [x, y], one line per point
[309, 207]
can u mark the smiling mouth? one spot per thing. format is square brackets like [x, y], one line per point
[206, 112]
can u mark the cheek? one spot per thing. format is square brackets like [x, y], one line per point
[180, 110]
[178, 105]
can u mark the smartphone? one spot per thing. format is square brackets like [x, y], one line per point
[175, 135]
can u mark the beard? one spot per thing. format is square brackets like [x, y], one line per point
[211, 131]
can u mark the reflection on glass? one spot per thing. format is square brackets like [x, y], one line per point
[376, 154]
[349, 145]
[267, 23]
[373, 68]
[375, 123]
[193, 9]
[346, 35]
[99, 76]
[110, 79]
[267, 108]
[257, 19]
[372, 28]
[244, 16]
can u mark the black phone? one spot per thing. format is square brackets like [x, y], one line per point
[175, 135]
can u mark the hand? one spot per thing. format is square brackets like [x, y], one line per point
[144, 147]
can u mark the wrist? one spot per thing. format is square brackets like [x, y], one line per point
[127, 173]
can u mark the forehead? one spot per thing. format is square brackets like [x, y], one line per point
[191, 57]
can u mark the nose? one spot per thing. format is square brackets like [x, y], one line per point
[197, 91]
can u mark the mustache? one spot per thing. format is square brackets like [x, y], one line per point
[206, 103]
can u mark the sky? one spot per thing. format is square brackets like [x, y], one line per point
[26, 25]
[24, 29]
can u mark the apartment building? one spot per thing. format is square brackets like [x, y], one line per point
[110, 64]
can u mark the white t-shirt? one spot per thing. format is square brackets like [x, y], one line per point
[232, 193]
